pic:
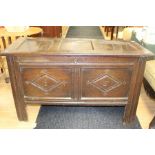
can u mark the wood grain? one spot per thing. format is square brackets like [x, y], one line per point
[47, 71]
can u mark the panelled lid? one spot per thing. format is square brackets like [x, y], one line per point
[78, 46]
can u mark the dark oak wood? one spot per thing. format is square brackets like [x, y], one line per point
[18, 98]
[111, 29]
[52, 31]
[81, 72]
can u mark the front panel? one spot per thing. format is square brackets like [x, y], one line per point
[47, 83]
[105, 82]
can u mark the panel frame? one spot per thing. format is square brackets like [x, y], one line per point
[127, 66]
[20, 67]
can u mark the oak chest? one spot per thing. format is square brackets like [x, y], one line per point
[81, 72]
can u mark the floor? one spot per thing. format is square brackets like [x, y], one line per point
[8, 118]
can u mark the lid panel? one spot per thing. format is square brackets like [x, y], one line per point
[76, 45]
[32, 45]
[73, 46]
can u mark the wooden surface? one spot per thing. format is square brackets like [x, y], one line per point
[48, 46]
[8, 117]
[29, 32]
[76, 72]
[111, 29]
[52, 31]
[6, 38]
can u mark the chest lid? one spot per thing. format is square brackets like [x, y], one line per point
[50, 46]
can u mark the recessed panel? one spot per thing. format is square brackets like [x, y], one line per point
[48, 83]
[113, 46]
[100, 83]
[76, 45]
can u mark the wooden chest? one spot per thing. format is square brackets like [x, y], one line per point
[81, 72]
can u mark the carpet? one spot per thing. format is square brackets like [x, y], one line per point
[92, 32]
[59, 117]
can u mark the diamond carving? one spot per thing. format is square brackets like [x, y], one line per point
[46, 82]
[105, 83]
